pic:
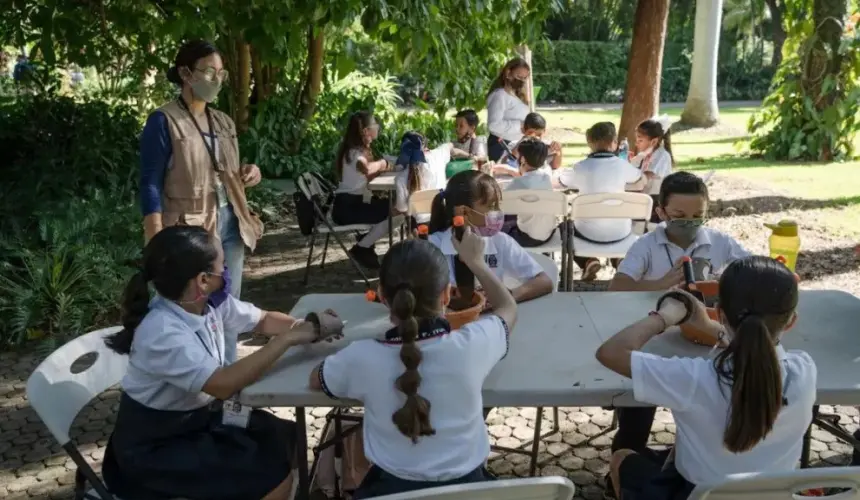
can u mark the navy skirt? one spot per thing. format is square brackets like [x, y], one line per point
[377, 482]
[157, 454]
[650, 477]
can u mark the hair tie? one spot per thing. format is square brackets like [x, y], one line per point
[744, 314]
[403, 286]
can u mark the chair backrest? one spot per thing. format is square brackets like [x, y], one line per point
[58, 395]
[314, 185]
[549, 266]
[421, 202]
[635, 206]
[532, 488]
[535, 202]
[783, 485]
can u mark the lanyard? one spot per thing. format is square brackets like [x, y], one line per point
[669, 256]
[210, 148]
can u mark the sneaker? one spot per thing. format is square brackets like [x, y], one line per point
[591, 269]
[365, 257]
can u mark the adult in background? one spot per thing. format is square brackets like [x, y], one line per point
[190, 171]
[507, 106]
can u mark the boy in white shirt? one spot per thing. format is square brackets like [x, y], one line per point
[602, 172]
[534, 127]
[531, 230]
[468, 145]
[744, 411]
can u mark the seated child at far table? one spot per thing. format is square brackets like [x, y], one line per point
[468, 144]
[744, 411]
[534, 127]
[480, 195]
[422, 169]
[602, 172]
[531, 230]
[421, 384]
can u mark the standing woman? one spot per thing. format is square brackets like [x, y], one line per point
[190, 170]
[507, 106]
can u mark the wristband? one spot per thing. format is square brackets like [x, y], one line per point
[684, 299]
[657, 314]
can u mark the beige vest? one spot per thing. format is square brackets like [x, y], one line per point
[189, 185]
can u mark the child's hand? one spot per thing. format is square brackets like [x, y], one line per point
[674, 277]
[470, 249]
[555, 147]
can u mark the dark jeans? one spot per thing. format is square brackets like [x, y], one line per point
[351, 209]
[634, 427]
[581, 262]
[494, 149]
[521, 236]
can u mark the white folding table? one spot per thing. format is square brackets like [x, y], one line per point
[551, 359]
[384, 183]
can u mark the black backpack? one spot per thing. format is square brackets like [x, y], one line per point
[305, 207]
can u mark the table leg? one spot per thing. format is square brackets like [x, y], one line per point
[304, 490]
[391, 195]
[807, 438]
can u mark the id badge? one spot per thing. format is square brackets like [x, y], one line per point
[236, 414]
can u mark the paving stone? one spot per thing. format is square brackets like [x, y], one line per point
[509, 442]
[571, 463]
[592, 492]
[573, 438]
[522, 470]
[585, 453]
[597, 466]
[21, 483]
[553, 470]
[517, 458]
[604, 440]
[529, 413]
[557, 449]
[43, 488]
[579, 417]
[502, 467]
[516, 421]
[840, 447]
[834, 458]
[500, 431]
[524, 433]
[665, 438]
[509, 412]
[51, 473]
[582, 477]
[589, 429]
[495, 419]
[320, 412]
[817, 445]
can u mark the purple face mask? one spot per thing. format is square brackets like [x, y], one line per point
[493, 222]
[218, 297]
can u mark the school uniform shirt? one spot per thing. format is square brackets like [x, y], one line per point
[660, 163]
[453, 367]
[601, 172]
[701, 405]
[504, 256]
[539, 227]
[505, 115]
[352, 180]
[475, 147]
[653, 255]
[174, 352]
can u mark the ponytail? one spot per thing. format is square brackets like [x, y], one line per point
[413, 179]
[750, 365]
[135, 305]
[667, 145]
[439, 217]
[413, 419]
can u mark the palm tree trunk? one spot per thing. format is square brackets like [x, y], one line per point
[701, 108]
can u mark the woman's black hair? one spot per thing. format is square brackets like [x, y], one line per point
[463, 189]
[352, 138]
[681, 183]
[171, 259]
[187, 57]
[470, 116]
[758, 297]
[654, 130]
[412, 276]
[533, 151]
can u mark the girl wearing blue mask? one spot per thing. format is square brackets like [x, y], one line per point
[480, 195]
[171, 439]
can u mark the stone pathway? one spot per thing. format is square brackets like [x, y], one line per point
[32, 464]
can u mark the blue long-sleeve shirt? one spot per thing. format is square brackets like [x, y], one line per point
[155, 153]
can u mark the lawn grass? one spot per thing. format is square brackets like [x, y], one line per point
[835, 185]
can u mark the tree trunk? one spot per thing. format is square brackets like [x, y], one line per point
[525, 52]
[312, 82]
[778, 34]
[701, 108]
[645, 65]
[243, 83]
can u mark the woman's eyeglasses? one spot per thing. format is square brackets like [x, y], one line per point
[211, 74]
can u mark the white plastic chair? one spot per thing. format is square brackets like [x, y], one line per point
[58, 395]
[533, 488]
[549, 266]
[319, 193]
[421, 203]
[783, 485]
[538, 202]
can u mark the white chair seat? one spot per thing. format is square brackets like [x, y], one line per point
[615, 250]
[551, 246]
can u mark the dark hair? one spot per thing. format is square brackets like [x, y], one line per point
[682, 183]
[758, 296]
[601, 133]
[500, 81]
[654, 130]
[187, 57]
[463, 189]
[470, 116]
[353, 138]
[412, 276]
[533, 151]
[534, 121]
[413, 175]
[172, 257]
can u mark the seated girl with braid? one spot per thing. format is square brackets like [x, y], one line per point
[421, 383]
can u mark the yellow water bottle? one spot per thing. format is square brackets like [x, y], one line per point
[784, 242]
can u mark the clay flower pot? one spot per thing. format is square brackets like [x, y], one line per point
[710, 289]
[458, 319]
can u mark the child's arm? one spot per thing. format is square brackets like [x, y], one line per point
[536, 283]
[638, 185]
[622, 282]
[536, 287]
[371, 169]
[555, 150]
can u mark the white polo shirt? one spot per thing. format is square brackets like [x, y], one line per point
[539, 227]
[653, 255]
[352, 181]
[475, 147]
[453, 368]
[505, 115]
[601, 173]
[174, 352]
[660, 164]
[504, 256]
[701, 405]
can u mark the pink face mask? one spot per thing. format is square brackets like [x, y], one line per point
[493, 222]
